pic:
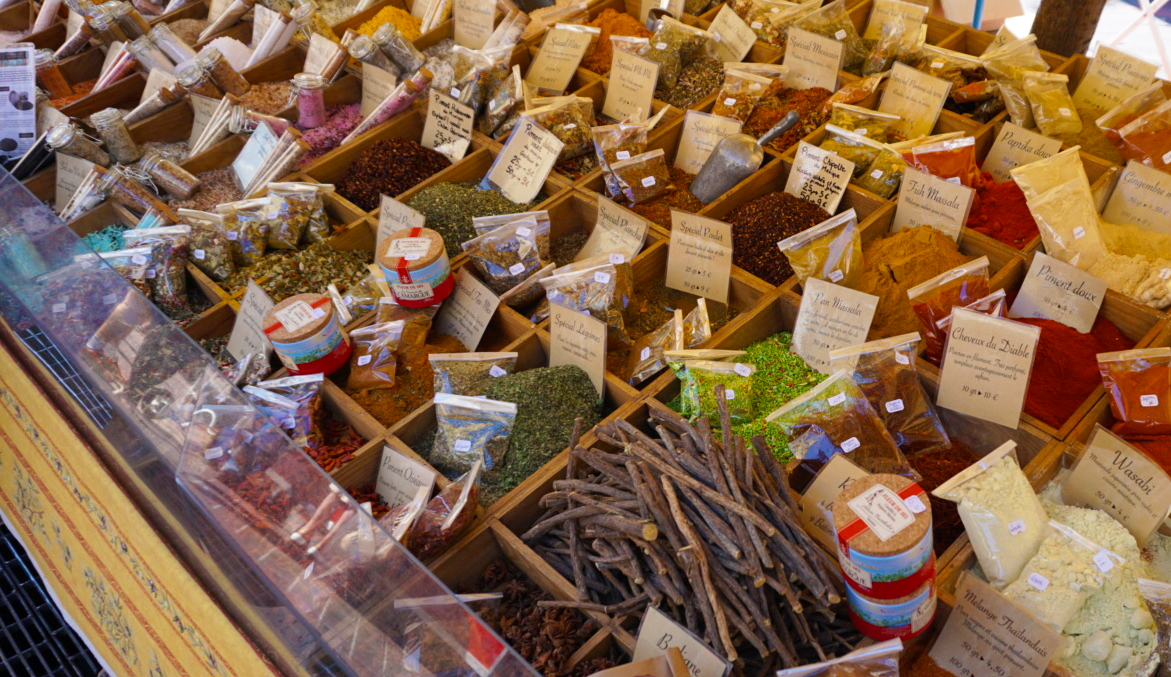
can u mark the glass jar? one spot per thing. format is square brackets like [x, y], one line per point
[127, 190]
[222, 74]
[169, 176]
[67, 138]
[367, 51]
[310, 21]
[195, 80]
[154, 103]
[148, 55]
[130, 21]
[310, 92]
[244, 121]
[75, 42]
[89, 194]
[116, 135]
[400, 50]
[105, 25]
[49, 74]
[172, 45]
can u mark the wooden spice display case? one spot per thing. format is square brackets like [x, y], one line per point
[365, 15]
[53, 36]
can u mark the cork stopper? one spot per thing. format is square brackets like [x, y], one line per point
[418, 251]
[868, 542]
[321, 316]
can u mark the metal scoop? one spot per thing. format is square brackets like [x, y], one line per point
[733, 159]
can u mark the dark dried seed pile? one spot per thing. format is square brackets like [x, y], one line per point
[390, 167]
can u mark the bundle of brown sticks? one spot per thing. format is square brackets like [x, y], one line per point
[706, 530]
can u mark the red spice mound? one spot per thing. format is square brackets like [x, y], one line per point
[1158, 447]
[1065, 368]
[388, 167]
[999, 211]
[937, 467]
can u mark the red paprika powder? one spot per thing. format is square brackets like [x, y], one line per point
[1065, 367]
[1158, 447]
[937, 467]
[1139, 385]
[933, 301]
[1000, 212]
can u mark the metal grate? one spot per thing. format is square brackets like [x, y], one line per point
[34, 638]
[48, 353]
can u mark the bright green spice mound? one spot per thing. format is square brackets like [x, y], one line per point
[547, 400]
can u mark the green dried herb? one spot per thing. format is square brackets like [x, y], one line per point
[450, 207]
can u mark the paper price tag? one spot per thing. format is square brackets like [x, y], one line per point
[560, 54]
[580, 340]
[819, 176]
[1111, 78]
[1103, 561]
[925, 199]
[987, 634]
[658, 632]
[466, 313]
[735, 37]
[817, 504]
[1142, 196]
[449, 126]
[394, 216]
[156, 81]
[400, 477]
[377, 84]
[813, 60]
[916, 97]
[473, 21]
[1016, 527]
[986, 367]
[525, 161]
[1057, 291]
[698, 265]
[70, 173]
[830, 317]
[1122, 481]
[1016, 146]
[631, 89]
[258, 147]
[296, 315]
[701, 133]
[851, 444]
[616, 230]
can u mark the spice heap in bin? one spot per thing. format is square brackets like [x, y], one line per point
[786, 498]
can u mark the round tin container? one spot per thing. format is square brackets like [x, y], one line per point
[885, 547]
[306, 335]
[416, 266]
[905, 618]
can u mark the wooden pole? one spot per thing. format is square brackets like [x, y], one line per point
[1066, 27]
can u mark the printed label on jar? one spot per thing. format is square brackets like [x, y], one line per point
[923, 615]
[851, 444]
[418, 291]
[645, 354]
[405, 246]
[298, 314]
[1103, 561]
[743, 370]
[463, 445]
[915, 504]
[902, 359]
[836, 276]
[894, 406]
[364, 360]
[1149, 400]
[729, 394]
[1038, 581]
[213, 453]
[516, 268]
[602, 278]
[199, 254]
[648, 181]
[622, 155]
[883, 511]
[837, 399]
[1016, 527]
[496, 371]
[856, 573]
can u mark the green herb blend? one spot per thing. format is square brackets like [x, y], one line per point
[450, 207]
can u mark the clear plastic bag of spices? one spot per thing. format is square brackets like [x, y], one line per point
[246, 227]
[851, 146]
[469, 373]
[1139, 385]
[501, 99]
[294, 403]
[1053, 107]
[447, 515]
[770, 19]
[169, 176]
[525, 293]
[885, 371]
[833, 21]
[508, 255]
[629, 44]
[120, 145]
[211, 251]
[302, 202]
[373, 362]
[170, 250]
[487, 224]
[1131, 108]
[1066, 570]
[647, 357]
[133, 265]
[66, 138]
[868, 123]
[700, 378]
[1068, 221]
[884, 175]
[840, 408]
[1157, 596]
[644, 177]
[956, 67]
[739, 94]
[416, 322]
[876, 660]
[283, 232]
[468, 82]
[889, 46]
[1145, 139]
[596, 286]
[993, 305]
[470, 430]
[672, 46]
[934, 299]
[570, 119]
[613, 143]
[1008, 66]
[831, 251]
[1046, 174]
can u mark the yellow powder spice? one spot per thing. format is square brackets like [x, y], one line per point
[401, 19]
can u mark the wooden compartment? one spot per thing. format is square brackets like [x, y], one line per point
[365, 15]
[1140, 323]
[974, 42]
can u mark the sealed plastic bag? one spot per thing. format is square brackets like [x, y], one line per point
[1139, 385]
[1131, 108]
[1008, 66]
[840, 408]
[303, 204]
[643, 177]
[739, 94]
[1068, 222]
[373, 362]
[1066, 570]
[447, 515]
[618, 142]
[469, 79]
[993, 305]
[525, 293]
[672, 46]
[934, 299]
[956, 67]
[876, 660]
[774, 73]
[469, 374]
[885, 371]
[774, 27]
[294, 404]
[598, 287]
[1053, 107]
[211, 251]
[701, 378]
[134, 266]
[950, 159]
[887, 48]
[1145, 138]
[508, 255]
[487, 224]
[246, 226]
[868, 123]
[833, 21]
[1001, 513]
[470, 430]
[856, 148]
[170, 249]
[416, 322]
[570, 119]
[502, 97]
[1046, 174]
[647, 357]
[401, 519]
[1157, 596]
[831, 251]
[884, 175]
[362, 297]
[854, 92]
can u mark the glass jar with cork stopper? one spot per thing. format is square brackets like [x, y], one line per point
[364, 49]
[169, 176]
[195, 80]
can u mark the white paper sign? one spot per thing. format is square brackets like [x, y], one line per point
[658, 632]
[400, 477]
[701, 133]
[473, 21]
[70, 172]
[578, 339]
[916, 97]
[248, 332]
[156, 81]
[449, 126]
[394, 216]
[830, 317]
[466, 313]
[813, 60]
[555, 64]
[377, 84]
[1016, 146]
[202, 107]
[732, 36]
[1111, 78]
[616, 231]
[925, 199]
[258, 147]
[525, 161]
[819, 176]
[986, 366]
[18, 118]
[699, 260]
[1055, 290]
[631, 88]
[1141, 197]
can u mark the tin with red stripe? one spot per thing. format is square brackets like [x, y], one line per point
[905, 618]
[415, 264]
[306, 334]
[885, 544]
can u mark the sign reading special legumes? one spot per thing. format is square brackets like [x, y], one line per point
[580, 340]
[916, 97]
[985, 369]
